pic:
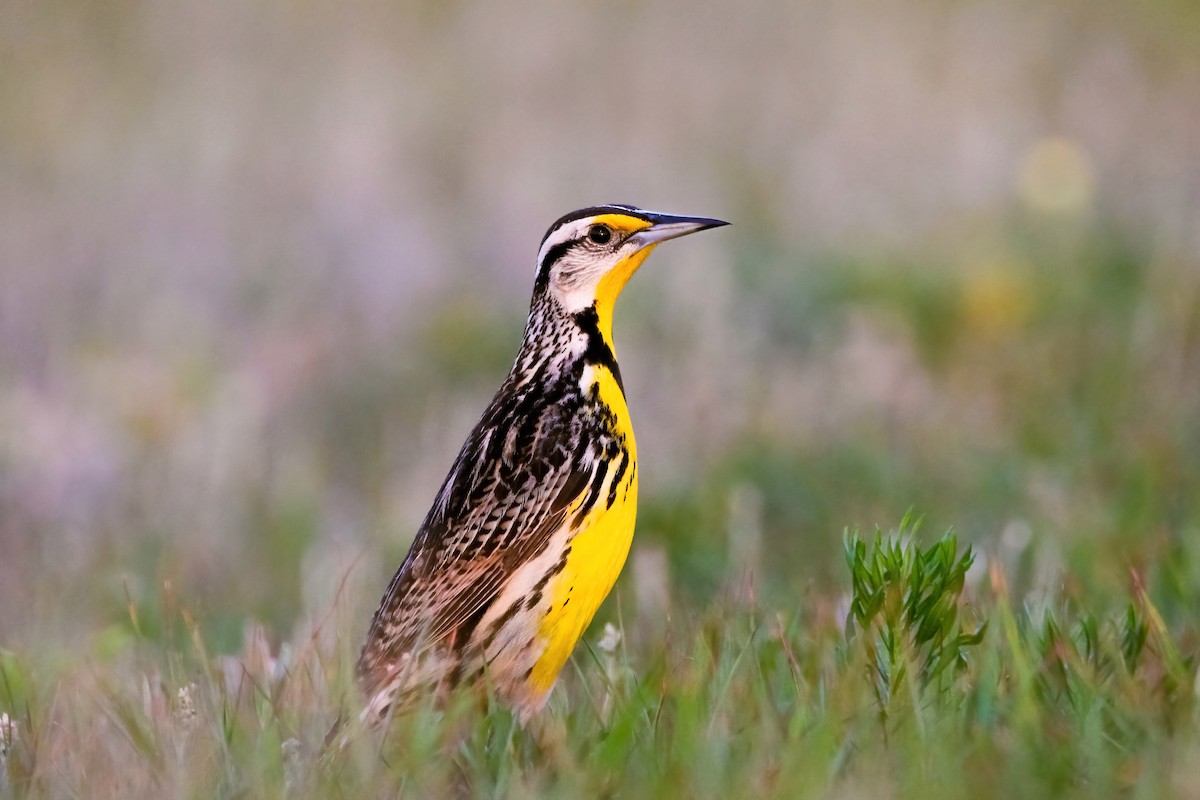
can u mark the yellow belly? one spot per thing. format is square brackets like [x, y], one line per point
[598, 552]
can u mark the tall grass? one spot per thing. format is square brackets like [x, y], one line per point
[921, 680]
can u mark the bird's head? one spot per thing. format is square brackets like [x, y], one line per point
[588, 255]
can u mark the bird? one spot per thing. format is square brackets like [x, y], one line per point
[533, 523]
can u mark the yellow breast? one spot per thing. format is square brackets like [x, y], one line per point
[598, 551]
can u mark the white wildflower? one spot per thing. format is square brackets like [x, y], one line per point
[611, 639]
[9, 735]
[608, 644]
[294, 766]
[185, 707]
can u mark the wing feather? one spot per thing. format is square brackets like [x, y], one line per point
[509, 490]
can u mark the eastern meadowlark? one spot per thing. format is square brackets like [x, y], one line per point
[533, 523]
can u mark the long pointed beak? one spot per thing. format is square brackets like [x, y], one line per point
[671, 226]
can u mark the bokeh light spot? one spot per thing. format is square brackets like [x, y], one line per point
[1057, 177]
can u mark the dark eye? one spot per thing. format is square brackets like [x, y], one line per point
[600, 234]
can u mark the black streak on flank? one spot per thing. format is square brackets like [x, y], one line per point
[500, 622]
[593, 492]
[598, 352]
[462, 634]
[616, 481]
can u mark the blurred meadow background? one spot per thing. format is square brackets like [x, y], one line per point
[262, 266]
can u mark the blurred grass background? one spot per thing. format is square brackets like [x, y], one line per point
[263, 265]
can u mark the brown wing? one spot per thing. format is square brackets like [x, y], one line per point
[508, 491]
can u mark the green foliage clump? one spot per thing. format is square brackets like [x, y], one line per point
[904, 609]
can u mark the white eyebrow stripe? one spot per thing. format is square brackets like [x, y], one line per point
[576, 228]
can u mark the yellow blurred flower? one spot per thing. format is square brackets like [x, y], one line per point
[996, 301]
